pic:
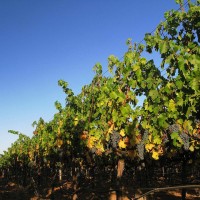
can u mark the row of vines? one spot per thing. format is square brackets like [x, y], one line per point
[105, 123]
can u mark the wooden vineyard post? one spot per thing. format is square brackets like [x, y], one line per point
[119, 194]
[120, 168]
[113, 195]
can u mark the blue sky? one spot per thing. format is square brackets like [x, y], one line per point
[44, 41]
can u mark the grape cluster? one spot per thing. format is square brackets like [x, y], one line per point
[174, 128]
[140, 149]
[140, 146]
[145, 136]
[186, 142]
[114, 139]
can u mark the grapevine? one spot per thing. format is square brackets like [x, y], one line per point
[105, 121]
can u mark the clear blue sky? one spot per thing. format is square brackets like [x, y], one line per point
[44, 41]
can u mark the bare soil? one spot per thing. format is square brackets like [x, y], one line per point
[12, 191]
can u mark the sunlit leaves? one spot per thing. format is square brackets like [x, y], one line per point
[172, 106]
[153, 94]
[122, 132]
[135, 67]
[155, 155]
[164, 46]
[149, 147]
[122, 144]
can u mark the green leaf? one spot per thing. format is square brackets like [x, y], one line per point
[97, 68]
[180, 2]
[144, 124]
[13, 132]
[181, 64]
[153, 94]
[129, 56]
[164, 47]
[180, 102]
[150, 108]
[157, 140]
[195, 59]
[179, 84]
[125, 111]
[114, 115]
[174, 135]
[113, 95]
[195, 84]
[143, 85]
[162, 121]
[133, 83]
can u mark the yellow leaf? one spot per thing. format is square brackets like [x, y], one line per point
[149, 147]
[68, 142]
[172, 106]
[90, 144]
[143, 61]
[146, 106]
[122, 144]
[122, 133]
[150, 137]
[59, 143]
[155, 155]
[100, 147]
[58, 131]
[91, 141]
[194, 131]
[109, 103]
[136, 67]
[169, 85]
[187, 125]
[37, 146]
[101, 103]
[75, 121]
[110, 130]
[60, 123]
[191, 148]
[179, 121]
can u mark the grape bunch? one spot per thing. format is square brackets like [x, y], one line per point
[145, 136]
[186, 142]
[140, 150]
[140, 146]
[114, 139]
[174, 128]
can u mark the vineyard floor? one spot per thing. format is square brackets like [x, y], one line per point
[13, 191]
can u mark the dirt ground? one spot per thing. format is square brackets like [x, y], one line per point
[12, 191]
